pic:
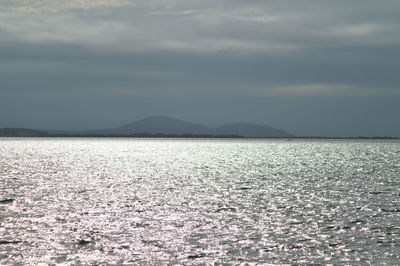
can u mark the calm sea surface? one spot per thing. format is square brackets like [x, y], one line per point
[164, 201]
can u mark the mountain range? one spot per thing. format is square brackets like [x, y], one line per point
[162, 126]
[168, 125]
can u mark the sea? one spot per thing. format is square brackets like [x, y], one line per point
[115, 201]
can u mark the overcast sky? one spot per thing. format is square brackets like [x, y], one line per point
[310, 67]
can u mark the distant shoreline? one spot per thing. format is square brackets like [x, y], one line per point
[188, 136]
[24, 132]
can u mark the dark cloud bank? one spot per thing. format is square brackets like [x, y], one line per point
[326, 68]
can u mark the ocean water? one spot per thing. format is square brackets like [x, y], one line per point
[222, 202]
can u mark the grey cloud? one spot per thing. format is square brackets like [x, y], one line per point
[206, 26]
[301, 65]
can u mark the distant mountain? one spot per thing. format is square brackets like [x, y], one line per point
[156, 125]
[168, 125]
[160, 126]
[251, 130]
[22, 132]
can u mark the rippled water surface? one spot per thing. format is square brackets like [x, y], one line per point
[137, 201]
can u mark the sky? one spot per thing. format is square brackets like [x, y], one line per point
[310, 67]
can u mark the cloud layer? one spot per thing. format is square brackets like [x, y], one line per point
[311, 67]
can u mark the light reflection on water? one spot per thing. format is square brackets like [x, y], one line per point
[136, 201]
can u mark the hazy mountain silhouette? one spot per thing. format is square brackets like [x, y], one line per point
[160, 126]
[156, 125]
[168, 125]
